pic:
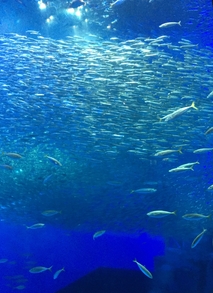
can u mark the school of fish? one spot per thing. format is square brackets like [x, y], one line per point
[82, 112]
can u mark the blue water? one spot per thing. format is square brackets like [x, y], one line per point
[77, 252]
[88, 89]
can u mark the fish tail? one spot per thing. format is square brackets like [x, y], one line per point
[193, 106]
[209, 216]
[191, 168]
[179, 22]
[180, 150]
[50, 268]
[175, 213]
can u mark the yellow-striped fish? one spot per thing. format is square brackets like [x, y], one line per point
[178, 112]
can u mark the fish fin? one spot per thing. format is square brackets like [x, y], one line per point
[193, 106]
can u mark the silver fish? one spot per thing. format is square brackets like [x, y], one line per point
[169, 24]
[143, 269]
[37, 270]
[144, 190]
[98, 234]
[198, 238]
[57, 273]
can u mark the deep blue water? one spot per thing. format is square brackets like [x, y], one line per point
[77, 252]
[91, 91]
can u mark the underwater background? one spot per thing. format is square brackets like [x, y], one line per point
[106, 143]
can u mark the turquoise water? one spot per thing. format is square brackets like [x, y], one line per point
[106, 142]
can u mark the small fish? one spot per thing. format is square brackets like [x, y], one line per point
[178, 112]
[210, 188]
[117, 3]
[114, 183]
[56, 162]
[189, 46]
[188, 165]
[36, 226]
[13, 155]
[76, 3]
[143, 269]
[181, 169]
[160, 214]
[203, 150]
[21, 2]
[210, 95]
[7, 167]
[47, 178]
[208, 131]
[3, 260]
[19, 287]
[98, 234]
[169, 160]
[194, 217]
[49, 213]
[57, 273]
[169, 24]
[167, 152]
[144, 190]
[37, 270]
[198, 238]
